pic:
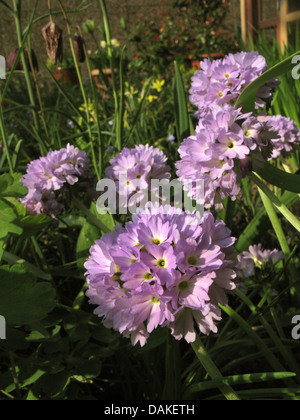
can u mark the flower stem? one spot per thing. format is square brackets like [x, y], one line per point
[112, 67]
[4, 138]
[212, 369]
[86, 105]
[17, 11]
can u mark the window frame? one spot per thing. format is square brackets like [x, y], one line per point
[250, 16]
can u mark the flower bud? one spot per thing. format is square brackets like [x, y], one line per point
[78, 47]
[12, 58]
[89, 26]
[54, 42]
[123, 24]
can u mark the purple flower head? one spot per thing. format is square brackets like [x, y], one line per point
[162, 269]
[133, 169]
[46, 179]
[211, 153]
[257, 257]
[288, 139]
[226, 146]
[222, 81]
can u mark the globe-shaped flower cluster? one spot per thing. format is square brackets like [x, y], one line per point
[223, 140]
[257, 257]
[288, 139]
[222, 81]
[227, 144]
[48, 178]
[162, 269]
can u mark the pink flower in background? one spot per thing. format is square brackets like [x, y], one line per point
[257, 257]
[222, 81]
[47, 179]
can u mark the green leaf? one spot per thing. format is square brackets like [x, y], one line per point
[240, 380]
[2, 243]
[33, 224]
[105, 223]
[257, 340]
[88, 369]
[8, 217]
[23, 300]
[281, 179]
[247, 97]
[10, 186]
[181, 109]
[87, 237]
[293, 220]
[32, 269]
[260, 222]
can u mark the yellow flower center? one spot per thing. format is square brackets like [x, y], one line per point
[192, 260]
[162, 263]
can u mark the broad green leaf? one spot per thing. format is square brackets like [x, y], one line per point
[10, 186]
[54, 384]
[15, 340]
[32, 269]
[281, 179]
[8, 219]
[88, 369]
[106, 219]
[247, 97]
[105, 223]
[23, 300]
[33, 224]
[90, 233]
[87, 237]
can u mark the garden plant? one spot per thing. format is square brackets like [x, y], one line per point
[186, 299]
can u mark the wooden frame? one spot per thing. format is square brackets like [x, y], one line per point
[285, 19]
[250, 20]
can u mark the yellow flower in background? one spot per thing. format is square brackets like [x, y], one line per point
[152, 98]
[103, 44]
[91, 111]
[115, 43]
[158, 85]
[130, 90]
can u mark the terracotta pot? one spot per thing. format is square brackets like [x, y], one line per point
[66, 75]
[213, 55]
[196, 63]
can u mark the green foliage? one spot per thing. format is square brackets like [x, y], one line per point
[187, 30]
[24, 301]
[56, 348]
